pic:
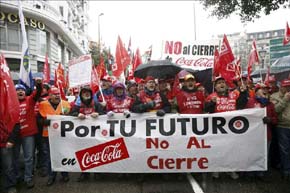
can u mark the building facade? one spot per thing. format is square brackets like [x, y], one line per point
[56, 28]
[241, 44]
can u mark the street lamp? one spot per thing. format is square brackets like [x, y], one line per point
[99, 33]
[262, 54]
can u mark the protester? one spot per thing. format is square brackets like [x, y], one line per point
[53, 106]
[281, 101]
[119, 102]
[272, 83]
[132, 89]
[189, 99]
[88, 107]
[7, 140]
[151, 100]
[223, 100]
[261, 100]
[38, 137]
[107, 89]
[28, 129]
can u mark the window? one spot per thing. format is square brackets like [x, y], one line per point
[13, 33]
[42, 42]
[40, 66]
[13, 64]
[61, 10]
[10, 37]
[3, 38]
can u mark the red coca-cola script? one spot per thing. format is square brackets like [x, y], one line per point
[102, 154]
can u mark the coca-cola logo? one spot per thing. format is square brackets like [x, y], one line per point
[201, 62]
[102, 154]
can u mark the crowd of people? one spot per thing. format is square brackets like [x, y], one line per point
[182, 95]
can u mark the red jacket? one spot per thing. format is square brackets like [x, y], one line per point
[271, 113]
[190, 102]
[28, 125]
[119, 106]
[225, 103]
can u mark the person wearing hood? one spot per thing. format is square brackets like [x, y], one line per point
[189, 99]
[119, 102]
[87, 107]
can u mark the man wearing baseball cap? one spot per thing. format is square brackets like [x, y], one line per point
[281, 100]
[189, 99]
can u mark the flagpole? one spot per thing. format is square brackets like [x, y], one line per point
[61, 106]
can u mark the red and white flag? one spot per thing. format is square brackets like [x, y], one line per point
[136, 62]
[286, 39]
[9, 108]
[226, 59]
[95, 81]
[59, 80]
[46, 72]
[253, 58]
[216, 64]
[122, 59]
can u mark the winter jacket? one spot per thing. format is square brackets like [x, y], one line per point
[190, 102]
[232, 100]
[282, 107]
[6, 136]
[27, 120]
[151, 101]
[271, 113]
[46, 108]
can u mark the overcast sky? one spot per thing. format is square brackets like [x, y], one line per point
[150, 22]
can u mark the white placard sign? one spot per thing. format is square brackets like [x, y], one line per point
[80, 71]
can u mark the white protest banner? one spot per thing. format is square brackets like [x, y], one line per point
[80, 71]
[196, 55]
[144, 143]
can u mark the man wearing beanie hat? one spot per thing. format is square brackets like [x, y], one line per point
[281, 100]
[53, 106]
[28, 129]
[132, 88]
[151, 100]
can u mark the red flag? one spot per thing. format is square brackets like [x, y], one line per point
[226, 55]
[136, 62]
[216, 64]
[286, 39]
[253, 58]
[95, 80]
[59, 80]
[46, 72]
[227, 67]
[100, 69]
[122, 59]
[9, 108]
